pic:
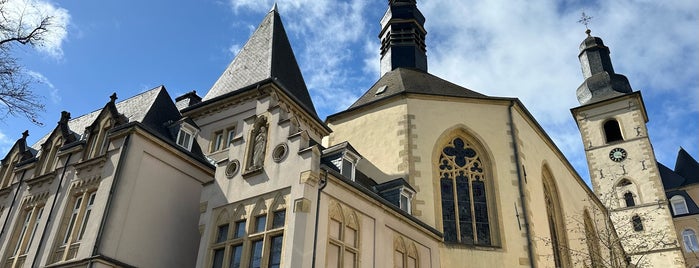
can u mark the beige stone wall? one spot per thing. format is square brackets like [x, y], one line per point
[426, 124]
[379, 227]
[297, 171]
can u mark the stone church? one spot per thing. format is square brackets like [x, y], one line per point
[417, 172]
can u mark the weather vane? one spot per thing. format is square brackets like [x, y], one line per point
[585, 20]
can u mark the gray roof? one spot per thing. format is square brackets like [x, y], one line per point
[134, 109]
[266, 55]
[402, 80]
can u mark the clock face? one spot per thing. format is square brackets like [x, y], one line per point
[617, 154]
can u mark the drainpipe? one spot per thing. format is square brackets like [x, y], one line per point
[53, 205]
[9, 210]
[112, 191]
[323, 182]
[520, 183]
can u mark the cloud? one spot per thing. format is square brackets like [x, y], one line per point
[30, 14]
[524, 49]
[5, 144]
[53, 91]
[326, 33]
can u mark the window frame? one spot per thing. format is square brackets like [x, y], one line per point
[245, 241]
[688, 235]
[25, 231]
[463, 165]
[73, 230]
[346, 221]
[186, 142]
[678, 201]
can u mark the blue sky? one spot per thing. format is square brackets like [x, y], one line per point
[524, 49]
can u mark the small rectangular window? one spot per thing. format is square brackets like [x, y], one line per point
[260, 223]
[256, 254]
[239, 229]
[275, 257]
[217, 141]
[236, 256]
[222, 234]
[278, 219]
[230, 136]
[218, 258]
[405, 202]
[184, 139]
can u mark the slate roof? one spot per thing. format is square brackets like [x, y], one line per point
[671, 180]
[266, 55]
[403, 80]
[686, 166]
[134, 109]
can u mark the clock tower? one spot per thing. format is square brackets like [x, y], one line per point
[623, 169]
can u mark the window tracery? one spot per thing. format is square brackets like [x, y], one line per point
[343, 238]
[463, 188]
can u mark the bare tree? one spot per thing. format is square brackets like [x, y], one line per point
[23, 26]
[613, 241]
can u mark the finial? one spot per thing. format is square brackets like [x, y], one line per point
[25, 134]
[585, 20]
[274, 7]
[113, 97]
[65, 116]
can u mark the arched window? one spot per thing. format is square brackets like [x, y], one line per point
[592, 240]
[557, 229]
[612, 131]
[628, 198]
[679, 205]
[690, 240]
[624, 182]
[463, 179]
[637, 223]
[343, 238]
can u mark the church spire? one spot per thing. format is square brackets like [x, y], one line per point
[600, 80]
[267, 56]
[403, 37]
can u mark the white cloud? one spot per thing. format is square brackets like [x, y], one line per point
[329, 30]
[53, 91]
[5, 144]
[524, 49]
[31, 12]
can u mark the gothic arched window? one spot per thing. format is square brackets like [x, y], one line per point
[463, 188]
[557, 228]
[612, 131]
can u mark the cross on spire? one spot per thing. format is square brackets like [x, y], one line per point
[585, 20]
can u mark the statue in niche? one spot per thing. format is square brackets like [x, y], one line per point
[259, 145]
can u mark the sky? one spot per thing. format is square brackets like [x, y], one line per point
[524, 49]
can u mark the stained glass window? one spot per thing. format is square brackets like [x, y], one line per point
[464, 201]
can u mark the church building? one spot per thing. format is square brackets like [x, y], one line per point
[418, 172]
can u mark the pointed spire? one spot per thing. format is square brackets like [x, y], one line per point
[274, 8]
[113, 97]
[25, 134]
[267, 56]
[686, 166]
[403, 37]
[601, 82]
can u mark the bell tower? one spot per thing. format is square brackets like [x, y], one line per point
[623, 170]
[403, 37]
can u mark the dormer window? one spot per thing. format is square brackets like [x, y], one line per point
[184, 139]
[679, 205]
[406, 196]
[347, 169]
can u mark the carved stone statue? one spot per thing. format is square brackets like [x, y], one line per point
[258, 153]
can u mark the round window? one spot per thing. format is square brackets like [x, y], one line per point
[232, 168]
[280, 152]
